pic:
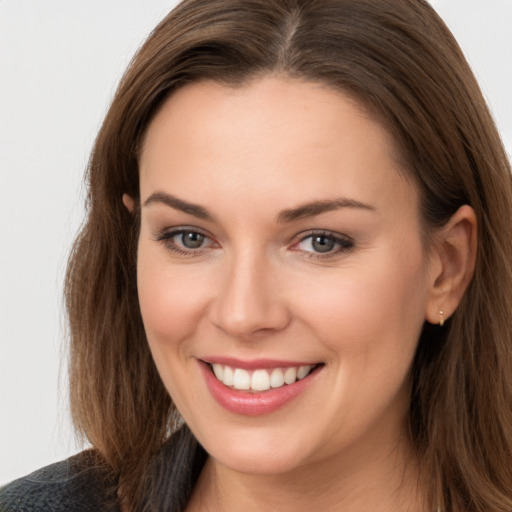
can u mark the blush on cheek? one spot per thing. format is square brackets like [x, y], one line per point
[163, 315]
[373, 310]
[171, 303]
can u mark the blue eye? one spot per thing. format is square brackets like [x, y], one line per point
[324, 244]
[184, 241]
[191, 239]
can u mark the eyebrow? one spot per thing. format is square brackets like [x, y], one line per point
[289, 215]
[179, 204]
[317, 207]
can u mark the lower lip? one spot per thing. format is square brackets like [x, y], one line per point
[254, 404]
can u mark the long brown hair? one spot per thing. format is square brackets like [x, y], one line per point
[400, 60]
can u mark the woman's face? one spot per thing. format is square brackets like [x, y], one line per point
[279, 238]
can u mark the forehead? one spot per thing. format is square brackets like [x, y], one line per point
[273, 138]
[277, 101]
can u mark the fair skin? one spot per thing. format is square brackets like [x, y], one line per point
[229, 269]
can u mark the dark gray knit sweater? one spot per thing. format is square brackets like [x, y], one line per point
[73, 485]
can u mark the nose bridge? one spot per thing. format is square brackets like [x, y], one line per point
[249, 299]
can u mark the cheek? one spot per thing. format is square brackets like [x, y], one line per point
[171, 304]
[170, 298]
[370, 320]
[370, 307]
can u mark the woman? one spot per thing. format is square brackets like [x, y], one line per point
[292, 289]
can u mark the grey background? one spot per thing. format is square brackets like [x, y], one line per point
[59, 65]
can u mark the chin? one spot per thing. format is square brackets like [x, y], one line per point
[258, 461]
[256, 451]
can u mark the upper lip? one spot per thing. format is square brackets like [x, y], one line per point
[254, 364]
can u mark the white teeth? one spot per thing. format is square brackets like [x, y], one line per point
[303, 371]
[259, 380]
[241, 379]
[290, 375]
[218, 370]
[228, 376]
[277, 378]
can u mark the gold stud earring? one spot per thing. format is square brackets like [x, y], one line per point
[441, 319]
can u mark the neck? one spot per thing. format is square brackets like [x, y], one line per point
[385, 482]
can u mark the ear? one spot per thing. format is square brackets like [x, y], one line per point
[454, 256]
[129, 202]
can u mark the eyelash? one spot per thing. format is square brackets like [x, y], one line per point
[166, 238]
[342, 244]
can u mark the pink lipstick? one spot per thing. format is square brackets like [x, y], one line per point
[277, 382]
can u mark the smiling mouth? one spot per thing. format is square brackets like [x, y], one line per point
[259, 380]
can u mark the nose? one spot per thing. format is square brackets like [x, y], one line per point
[250, 298]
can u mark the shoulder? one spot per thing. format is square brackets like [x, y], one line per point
[76, 484]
